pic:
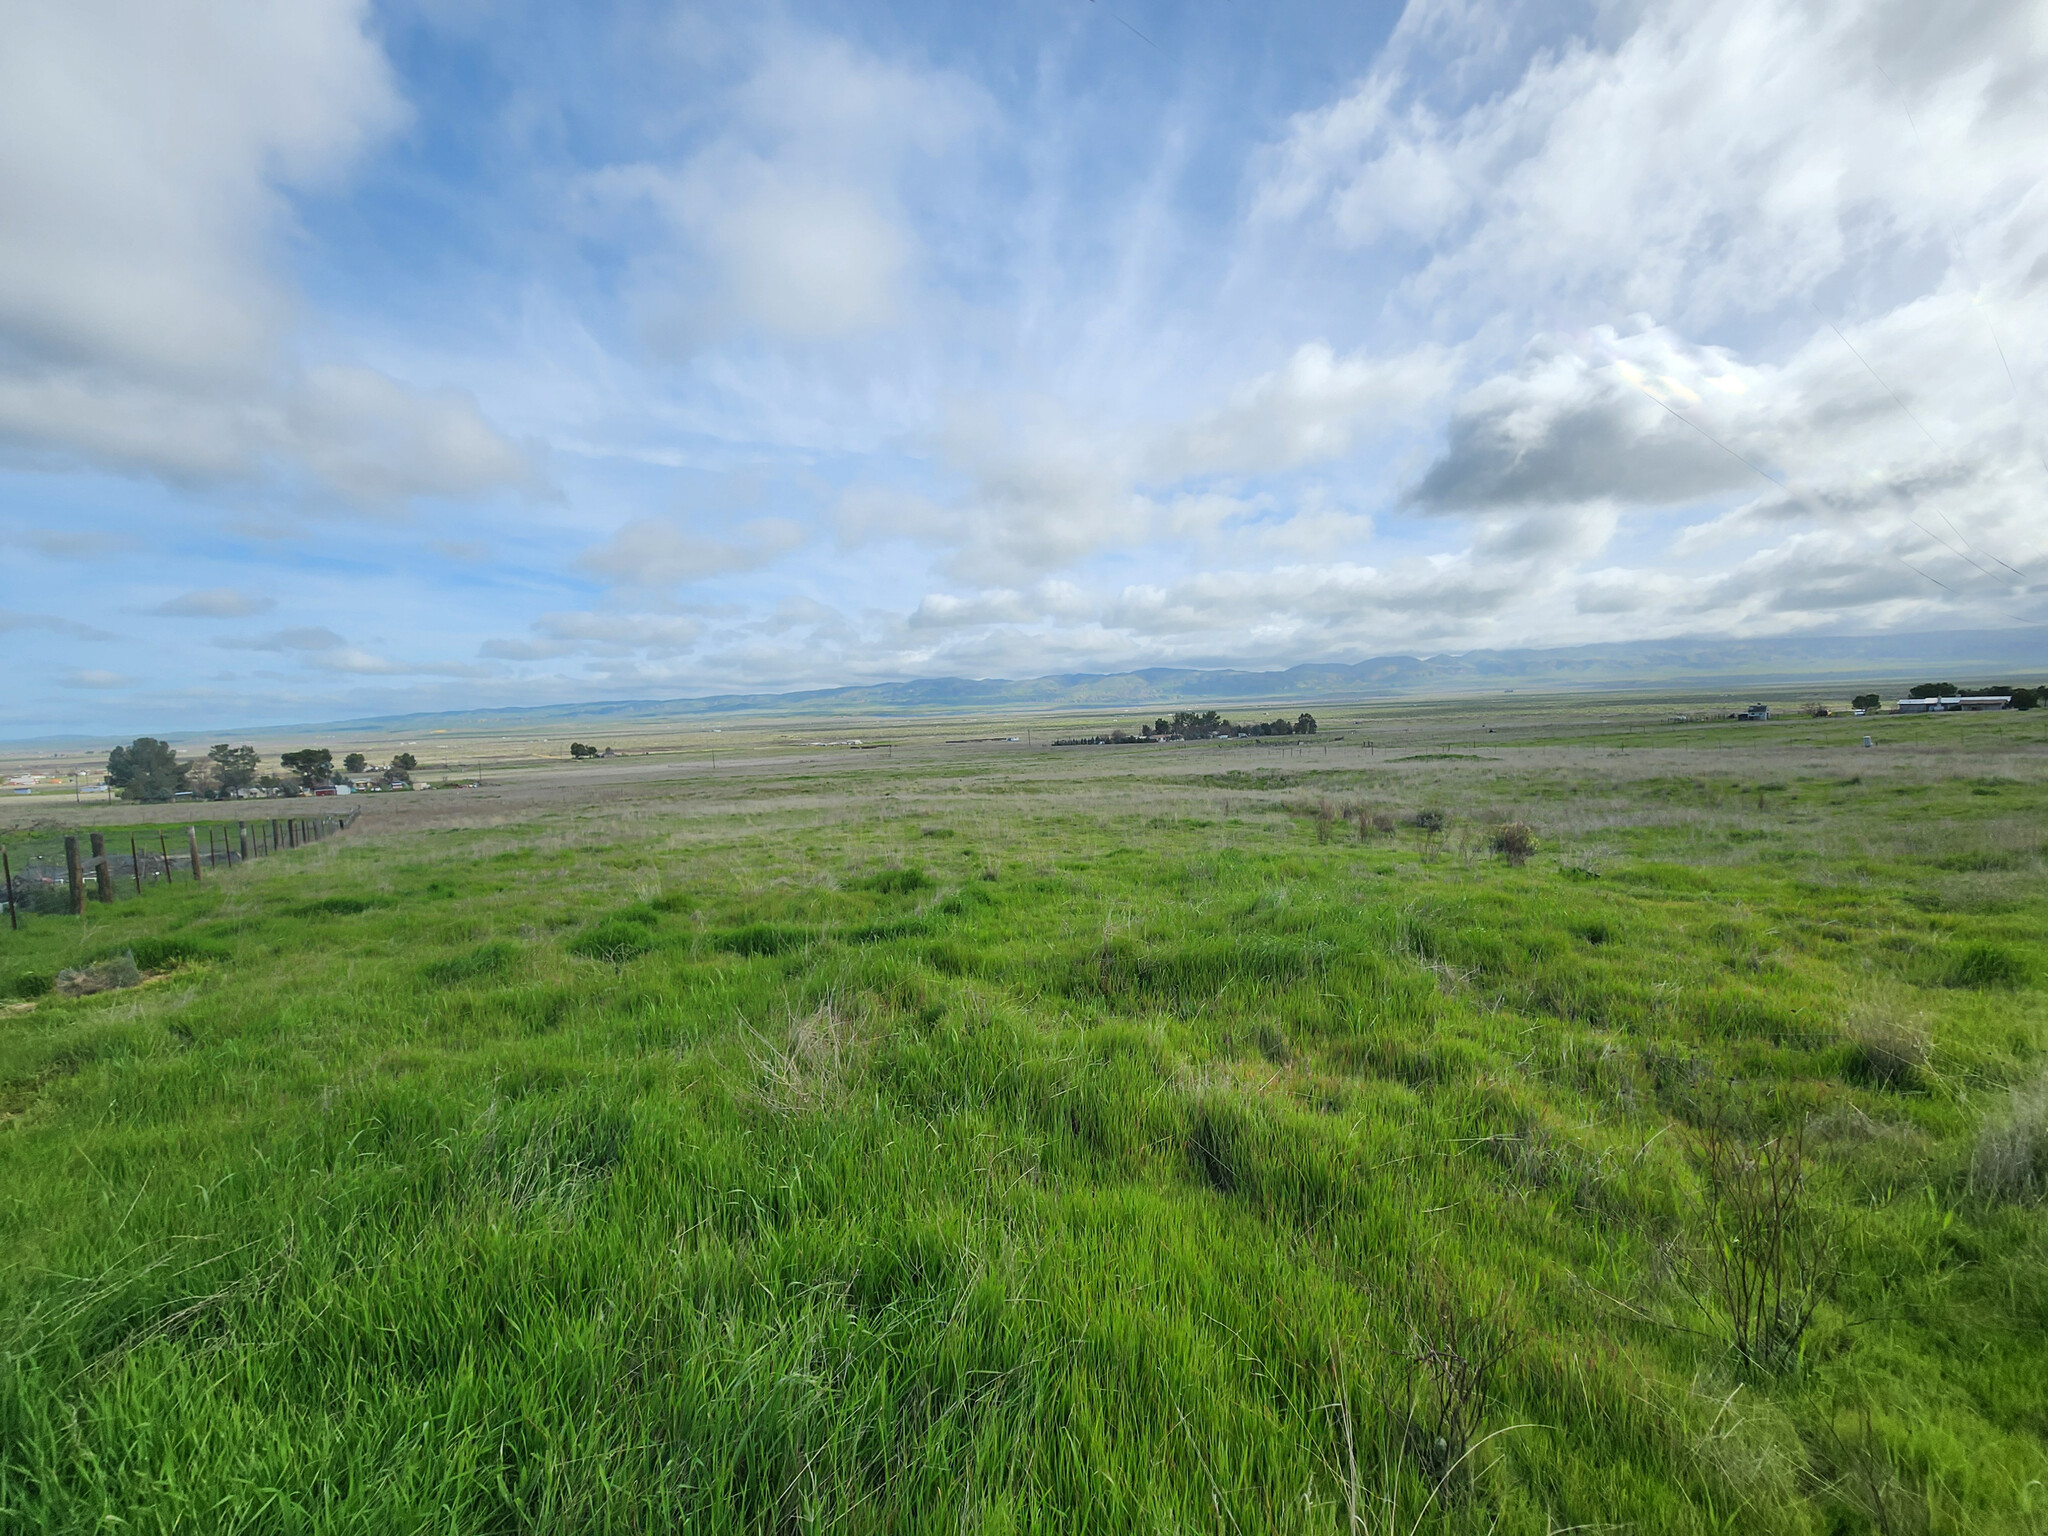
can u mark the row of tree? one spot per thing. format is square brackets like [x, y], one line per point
[1203, 724]
[151, 771]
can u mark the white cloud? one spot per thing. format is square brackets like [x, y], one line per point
[142, 146]
[310, 637]
[93, 678]
[791, 220]
[214, 603]
[148, 153]
[1315, 407]
[661, 635]
[373, 440]
[652, 552]
[70, 628]
[1714, 161]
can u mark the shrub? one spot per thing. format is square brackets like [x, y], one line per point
[1886, 1052]
[1760, 1256]
[613, 941]
[761, 939]
[489, 959]
[2011, 1159]
[29, 984]
[1513, 841]
[1326, 820]
[907, 881]
[1382, 821]
[1429, 821]
[337, 906]
[1985, 966]
[1441, 1387]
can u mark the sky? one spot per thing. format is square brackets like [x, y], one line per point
[363, 358]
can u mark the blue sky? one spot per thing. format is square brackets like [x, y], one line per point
[360, 358]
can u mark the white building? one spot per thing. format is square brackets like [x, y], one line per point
[1965, 703]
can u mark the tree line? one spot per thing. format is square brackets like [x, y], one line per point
[1204, 724]
[1195, 725]
[151, 771]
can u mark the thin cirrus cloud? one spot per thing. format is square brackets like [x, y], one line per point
[815, 349]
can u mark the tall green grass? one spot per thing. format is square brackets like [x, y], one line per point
[1186, 1175]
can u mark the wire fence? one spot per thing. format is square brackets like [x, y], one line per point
[93, 867]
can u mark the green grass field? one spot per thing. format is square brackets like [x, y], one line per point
[981, 1138]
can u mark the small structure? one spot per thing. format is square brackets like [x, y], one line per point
[1754, 712]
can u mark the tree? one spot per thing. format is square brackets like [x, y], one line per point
[146, 770]
[355, 762]
[2027, 698]
[233, 767]
[1932, 691]
[578, 750]
[1866, 701]
[405, 762]
[1305, 725]
[311, 764]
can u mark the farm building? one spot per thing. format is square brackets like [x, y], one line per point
[1967, 703]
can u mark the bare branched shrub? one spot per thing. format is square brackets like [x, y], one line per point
[2011, 1158]
[1856, 1468]
[1431, 825]
[1761, 1256]
[1513, 841]
[1326, 820]
[1443, 1385]
[1382, 822]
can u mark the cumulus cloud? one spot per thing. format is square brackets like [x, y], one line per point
[1565, 427]
[214, 603]
[148, 154]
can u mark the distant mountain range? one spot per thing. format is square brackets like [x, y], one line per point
[1883, 662]
[1887, 663]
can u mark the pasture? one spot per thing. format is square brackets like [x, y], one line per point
[970, 1135]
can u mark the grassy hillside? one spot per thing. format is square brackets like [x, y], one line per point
[1063, 1142]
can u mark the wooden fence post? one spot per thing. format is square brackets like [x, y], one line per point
[102, 871]
[135, 864]
[242, 827]
[212, 858]
[76, 874]
[192, 847]
[13, 912]
[163, 848]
